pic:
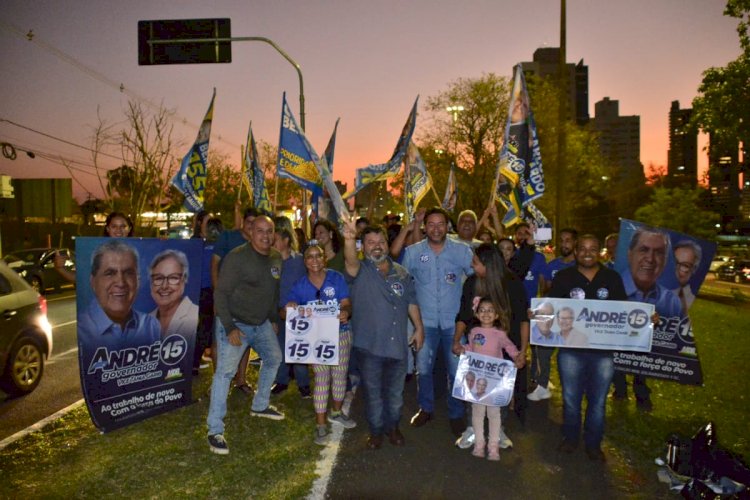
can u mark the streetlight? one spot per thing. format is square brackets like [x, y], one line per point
[454, 110]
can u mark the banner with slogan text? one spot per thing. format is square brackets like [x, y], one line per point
[451, 190]
[593, 324]
[298, 161]
[137, 303]
[484, 379]
[519, 179]
[664, 268]
[190, 180]
[312, 334]
[373, 173]
[419, 180]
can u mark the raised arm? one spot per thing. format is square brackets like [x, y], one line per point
[351, 260]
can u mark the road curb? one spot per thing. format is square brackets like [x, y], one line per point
[39, 425]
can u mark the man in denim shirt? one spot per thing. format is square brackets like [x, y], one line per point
[439, 266]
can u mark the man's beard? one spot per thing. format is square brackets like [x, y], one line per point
[377, 260]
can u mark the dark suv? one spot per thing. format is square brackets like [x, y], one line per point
[37, 267]
[25, 334]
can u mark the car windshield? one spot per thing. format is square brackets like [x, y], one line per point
[27, 257]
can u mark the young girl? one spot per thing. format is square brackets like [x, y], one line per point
[489, 339]
[322, 285]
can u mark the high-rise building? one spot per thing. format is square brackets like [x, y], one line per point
[619, 140]
[724, 181]
[682, 160]
[544, 65]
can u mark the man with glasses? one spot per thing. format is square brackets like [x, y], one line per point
[687, 258]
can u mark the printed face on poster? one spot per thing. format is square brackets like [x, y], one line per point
[137, 319]
[312, 334]
[484, 379]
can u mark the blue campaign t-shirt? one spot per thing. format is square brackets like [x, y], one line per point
[556, 265]
[333, 290]
[537, 268]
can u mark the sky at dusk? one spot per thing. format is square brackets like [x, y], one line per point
[362, 61]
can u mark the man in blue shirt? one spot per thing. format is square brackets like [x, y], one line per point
[647, 257]
[110, 321]
[439, 266]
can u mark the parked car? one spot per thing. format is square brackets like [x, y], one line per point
[37, 267]
[25, 334]
[717, 262]
[735, 270]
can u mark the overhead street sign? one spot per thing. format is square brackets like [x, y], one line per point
[155, 44]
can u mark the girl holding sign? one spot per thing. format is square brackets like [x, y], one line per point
[328, 287]
[490, 339]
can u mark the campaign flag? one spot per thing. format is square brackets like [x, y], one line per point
[451, 190]
[298, 161]
[190, 180]
[665, 268]
[519, 179]
[133, 364]
[254, 173]
[373, 173]
[322, 204]
[419, 178]
[295, 160]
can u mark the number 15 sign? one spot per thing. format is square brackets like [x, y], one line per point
[312, 335]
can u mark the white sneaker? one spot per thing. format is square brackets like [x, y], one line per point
[504, 440]
[539, 393]
[467, 439]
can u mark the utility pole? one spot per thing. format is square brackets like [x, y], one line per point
[562, 71]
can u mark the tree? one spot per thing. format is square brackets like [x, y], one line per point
[473, 139]
[722, 107]
[679, 209]
[146, 148]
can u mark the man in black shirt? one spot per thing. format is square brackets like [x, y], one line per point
[585, 371]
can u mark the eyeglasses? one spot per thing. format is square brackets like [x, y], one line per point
[685, 266]
[173, 279]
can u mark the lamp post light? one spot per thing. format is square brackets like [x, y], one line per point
[454, 110]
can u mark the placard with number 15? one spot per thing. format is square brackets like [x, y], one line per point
[312, 335]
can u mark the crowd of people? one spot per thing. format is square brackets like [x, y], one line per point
[410, 299]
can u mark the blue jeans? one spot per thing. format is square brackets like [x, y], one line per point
[590, 373]
[263, 340]
[301, 372]
[383, 383]
[434, 339]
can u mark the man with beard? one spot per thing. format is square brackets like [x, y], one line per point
[585, 371]
[541, 355]
[383, 297]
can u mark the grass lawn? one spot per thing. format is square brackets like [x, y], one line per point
[168, 456]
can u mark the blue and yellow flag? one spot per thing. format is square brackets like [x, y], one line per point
[299, 161]
[322, 204]
[419, 180]
[254, 174]
[372, 173]
[295, 159]
[451, 190]
[519, 179]
[190, 180]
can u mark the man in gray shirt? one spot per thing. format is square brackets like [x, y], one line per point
[246, 299]
[384, 299]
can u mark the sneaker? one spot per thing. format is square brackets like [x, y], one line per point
[218, 445]
[466, 439]
[305, 392]
[493, 453]
[269, 412]
[539, 393]
[504, 440]
[322, 436]
[342, 419]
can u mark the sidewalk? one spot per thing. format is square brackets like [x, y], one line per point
[430, 466]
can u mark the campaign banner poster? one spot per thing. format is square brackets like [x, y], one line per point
[484, 379]
[592, 324]
[665, 268]
[312, 334]
[137, 317]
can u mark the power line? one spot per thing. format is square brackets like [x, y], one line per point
[120, 87]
